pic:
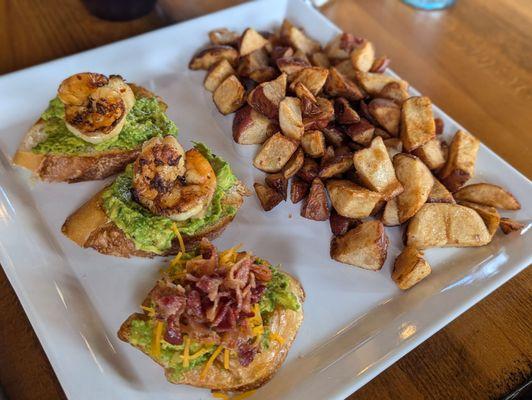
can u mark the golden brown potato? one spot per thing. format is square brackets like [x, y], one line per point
[362, 56]
[439, 194]
[281, 52]
[410, 268]
[376, 171]
[431, 154]
[268, 197]
[338, 85]
[297, 39]
[373, 83]
[294, 164]
[315, 206]
[341, 46]
[351, 200]
[340, 225]
[394, 146]
[309, 171]
[277, 182]
[417, 182]
[266, 97]
[320, 59]
[365, 246]
[313, 143]
[223, 36]
[346, 69]
[309, 103]
[345, 114]
[361, 132]
[337, 165]
[417, 122]
[509, 225]
[489, 215]
[380, 64]
[446, 225]
[394, 91]
[322, 118]
[275, 153]
[229, 95]
[298, 189]
[460, 164]
[262, 75]
[206, 58]
[290, 117]
[251, 41]
[312, 77]
[390, 216]
[218, 73]
[255, 60]
[489, 195]
[291, 66]
[386, 113]
[251, 127]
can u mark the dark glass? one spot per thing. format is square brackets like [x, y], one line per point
[119, 10]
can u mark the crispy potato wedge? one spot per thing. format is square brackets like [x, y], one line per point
[351, 200]
[509, 225]
[489, 215]
[275, 153]
[298, 40]
[265, 74]
[394, 91]
[277, 182]
[309, 171]
[281, 52]
[345, 114]
[410, 268]
[380, 64]
[291, 66]
[218, 73]
[251, 127]
[298, 190]
[446, 225]
[309, 103]
[489, 195]
[334, 136]
[394, 146]
[229, 95]
[373, 83]
[417, 182]
[251, 41]
[319, 59]
[460, 164]
[336, 165]
[315, 207]
[361, 132]
[268, 197]
[223, 36]
[294, 164]
[312, 77]
[363, 56]
[390, 216]
[439, 194]
[338, 85]
[365, 246]
[346, 69]
[206, 58]
[321, 119]
[417, 122]
[385, 135]
[313, 143]
[290, 118]
[267, 96]
[340, 225]
[251, 62]
[431, 154]
[386, 113]
[375, 169]
[340, 47]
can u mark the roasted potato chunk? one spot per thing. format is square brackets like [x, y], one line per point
[417, 122]
[320, 59]
[336, 165]
[361, 132]
[206, 58]
[309, 103]
[268, 197]
[439, 194]
[380, 64]
[321, 119]
[390, 216]
[291, 66]
[446, 225]
[334, 136]
[266, 97]
[376, 171]
[298, 189]
[223, 36]
[309, 171]
[290, 118]
[410, 268]
[489, 215]
[440, 125]
[251, 41]
[229, 95]
[365, 246]
[275, 153]
[312, 77]
[509, 225]
[345, 114]
[363, 56]
[251, 62]
[218, 73]
[251, 127]
[315, 206]
[278, 182]
[489, 195]
[431, 154]
[387, 114]
[340, 225]
[351, 200]
[281, 52]
[373, 83]
[417, 182]
[341, 46]
[338, 85]
[297, 39]
[394, 91]
[394, 146]
[294, 164]
[313, 143]
[460, 165]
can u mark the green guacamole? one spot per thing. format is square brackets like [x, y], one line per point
[145, 120]
[154, 233]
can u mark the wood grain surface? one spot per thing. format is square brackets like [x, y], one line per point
[473, 60]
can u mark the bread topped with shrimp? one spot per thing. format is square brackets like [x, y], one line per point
[164, 202]
[218, 320]
[92, 129]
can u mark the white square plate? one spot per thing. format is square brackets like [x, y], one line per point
[357, 322]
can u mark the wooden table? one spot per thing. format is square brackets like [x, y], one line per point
[473, 60]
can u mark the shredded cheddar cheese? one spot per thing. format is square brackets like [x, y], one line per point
[244, 395]
[176, 260]
[179, 237]
[186, 352]
[156, 340]
[276, 337]
[211, 360]
[226, 358]
[225, 396]
[229, 256]
[149, 310]
[220, 395]
[258, 330]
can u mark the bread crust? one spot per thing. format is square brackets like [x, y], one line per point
[283, 322]
[90, 227]
[69, 168]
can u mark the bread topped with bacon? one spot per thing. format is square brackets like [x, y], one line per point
[223, 321]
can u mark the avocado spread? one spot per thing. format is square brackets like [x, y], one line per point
[154, 233]
[145, 120]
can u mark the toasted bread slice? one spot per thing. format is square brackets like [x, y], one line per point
[75, 168]
[90, 226]
[284, 322]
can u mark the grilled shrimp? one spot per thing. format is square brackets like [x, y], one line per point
[172, 183]
[95, 106]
